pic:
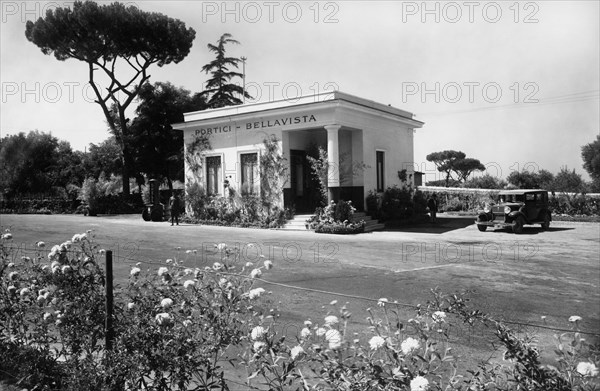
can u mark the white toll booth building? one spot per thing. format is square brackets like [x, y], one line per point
[367, 144]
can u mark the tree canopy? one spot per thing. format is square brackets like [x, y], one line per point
[37, 162]
[219, 90]
[158, 149]
[104, 36]
[542, 179]
[451, 161]
[590, 153]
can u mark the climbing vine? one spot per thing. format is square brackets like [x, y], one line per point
[273, 174]
[195, 151]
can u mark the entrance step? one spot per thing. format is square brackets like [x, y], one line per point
[298, 223]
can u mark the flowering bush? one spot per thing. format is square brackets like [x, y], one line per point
[174, 327]
[171, 327]
[336, 219]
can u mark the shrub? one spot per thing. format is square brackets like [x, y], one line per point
[171, 327]
[335, 219]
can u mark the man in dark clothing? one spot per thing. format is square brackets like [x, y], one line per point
[175, 205]
[432, 204]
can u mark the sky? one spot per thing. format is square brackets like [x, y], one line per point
[513, 84]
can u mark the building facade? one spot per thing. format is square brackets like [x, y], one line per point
[367, 144]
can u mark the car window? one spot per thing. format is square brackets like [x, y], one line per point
[530, 197]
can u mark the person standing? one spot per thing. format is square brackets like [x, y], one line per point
[175, 206]
[432, 204]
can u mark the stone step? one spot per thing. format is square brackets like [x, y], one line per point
[374, 227]
[298, 223]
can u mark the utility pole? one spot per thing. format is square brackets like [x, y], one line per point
[244, 78]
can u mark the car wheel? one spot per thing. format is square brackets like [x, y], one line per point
[482, 228]
[518, 227]
[546, 223]
[157, 214]
[146, 215]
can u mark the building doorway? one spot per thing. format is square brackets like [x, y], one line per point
[304, 187]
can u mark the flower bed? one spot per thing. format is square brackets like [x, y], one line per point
[336, 219]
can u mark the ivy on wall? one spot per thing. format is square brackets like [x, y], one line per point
[273, 173]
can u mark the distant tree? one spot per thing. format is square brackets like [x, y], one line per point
[37, 162]
[450, 161]
[465, 167]
[568, 181]
[103, 158]
[100, 35]
[444, 161]
[590, 153]
[220, 92]
[486, 182]
[158, 149]
[542, 179]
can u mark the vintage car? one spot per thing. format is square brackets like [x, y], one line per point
[514, 209]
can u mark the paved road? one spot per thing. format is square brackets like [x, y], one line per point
[555, 273]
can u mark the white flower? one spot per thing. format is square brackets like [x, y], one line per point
[419, 383]
[168, 261]
[296, 351]
[66, 269]
[41, 300]
[334, 338]
[163, 319]
[268, 265]
[11, 264]
[217, 266]
[76, 238]
[587, 369]
[254, 293]
[187, 271]
[166, 303]
[376, 342]
[13, 276]
[574, 318]
[47, 316]
[255, 273]
[135, 271]
[320, 332]
[334, 302]
[102, 251]
[307, 323]
[188, 284]
[12, 289]
[221, 246]
[7, 236]
[305, 333]
[249, 264]
[409, 345]
[24, 292]
[331, 320]
[55, 266]
[259, 346]
[162, 271]
[186, 323]
[382, 302]
[439, 316]
[130, 306]
[257, 333]
[41, 244]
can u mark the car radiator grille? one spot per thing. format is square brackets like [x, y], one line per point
[499, 217]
